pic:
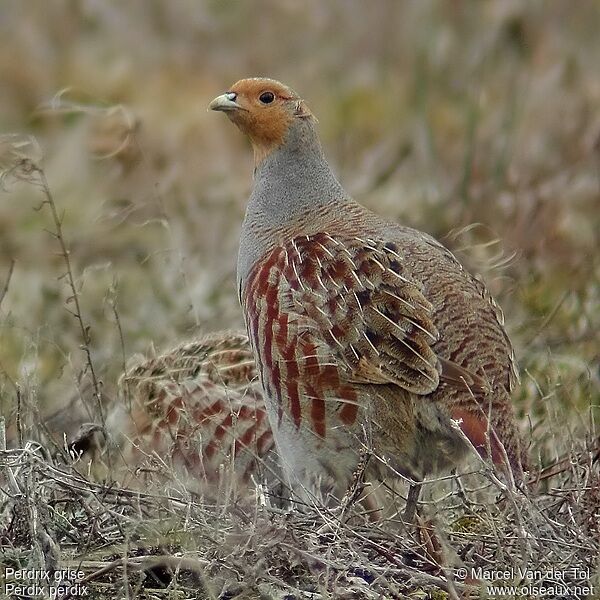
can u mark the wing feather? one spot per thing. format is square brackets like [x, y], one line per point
[374, 320]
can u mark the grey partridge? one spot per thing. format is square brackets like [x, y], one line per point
[359, 325]
[198, 407]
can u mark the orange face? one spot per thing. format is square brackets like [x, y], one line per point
[263, 109]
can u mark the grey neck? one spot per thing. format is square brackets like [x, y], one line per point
[290, 184]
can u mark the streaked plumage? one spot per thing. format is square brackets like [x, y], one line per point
[198, 408]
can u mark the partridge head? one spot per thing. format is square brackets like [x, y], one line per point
[360, 327]
[264, 110]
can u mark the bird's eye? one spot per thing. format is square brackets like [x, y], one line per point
[267, 97]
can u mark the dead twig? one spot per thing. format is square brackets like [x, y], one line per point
[28, 166]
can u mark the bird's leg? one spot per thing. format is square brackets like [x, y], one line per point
[411, 502]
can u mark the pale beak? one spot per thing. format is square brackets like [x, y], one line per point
[226, 102]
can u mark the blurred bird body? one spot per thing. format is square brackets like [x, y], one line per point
[359, 326]
[198, 409]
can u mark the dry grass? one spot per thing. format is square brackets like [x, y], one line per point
[435, 114]
[168, 543]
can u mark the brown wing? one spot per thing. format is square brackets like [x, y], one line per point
[375, 321]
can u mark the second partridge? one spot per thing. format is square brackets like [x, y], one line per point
[198, 408]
